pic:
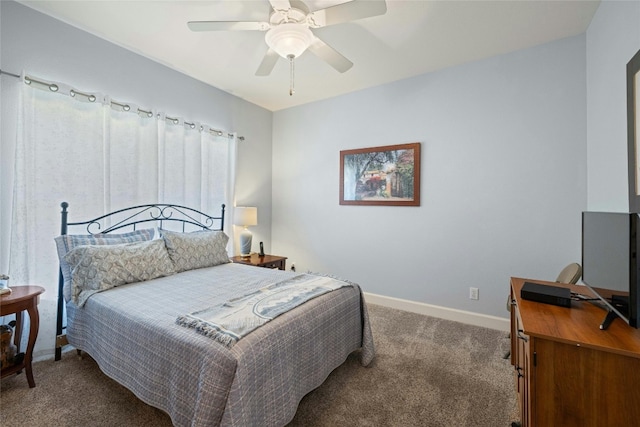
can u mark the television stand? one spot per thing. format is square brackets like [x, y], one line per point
[567, 371]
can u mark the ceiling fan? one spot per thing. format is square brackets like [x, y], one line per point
[289, 35]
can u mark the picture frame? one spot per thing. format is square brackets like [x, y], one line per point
[633, 131]
[381, 176]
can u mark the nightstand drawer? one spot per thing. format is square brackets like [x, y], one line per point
[278, 265]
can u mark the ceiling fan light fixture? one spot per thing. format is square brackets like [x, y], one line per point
[289, 39]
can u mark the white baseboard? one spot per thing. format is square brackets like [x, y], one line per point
[469, 317]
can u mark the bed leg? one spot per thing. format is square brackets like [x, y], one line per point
[61, 341]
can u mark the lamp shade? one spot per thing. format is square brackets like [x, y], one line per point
[289, 39]
[245, 216]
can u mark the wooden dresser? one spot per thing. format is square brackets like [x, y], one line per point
[569, 372]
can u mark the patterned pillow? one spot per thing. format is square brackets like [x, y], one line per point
[67, 242]
[97, 268]
[199, 249]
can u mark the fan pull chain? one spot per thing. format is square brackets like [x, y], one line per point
[292, 89]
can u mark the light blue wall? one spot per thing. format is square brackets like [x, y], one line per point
[503, 179]
[612, 39]
[514, 148]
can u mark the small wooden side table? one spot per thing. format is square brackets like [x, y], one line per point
[21, 299]
[267, 261]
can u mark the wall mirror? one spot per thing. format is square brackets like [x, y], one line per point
[633, 130]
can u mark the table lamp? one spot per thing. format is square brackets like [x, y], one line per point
[245, 217]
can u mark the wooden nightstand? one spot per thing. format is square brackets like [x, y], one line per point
[21, 299]
[267, 261]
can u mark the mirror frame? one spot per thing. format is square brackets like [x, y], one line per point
[633, 131]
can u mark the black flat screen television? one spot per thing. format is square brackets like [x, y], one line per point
[609, 263]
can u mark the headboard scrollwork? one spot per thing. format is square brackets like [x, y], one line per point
[157, 213]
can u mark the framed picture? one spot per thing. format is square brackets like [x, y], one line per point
[388, 175]
[633, 131]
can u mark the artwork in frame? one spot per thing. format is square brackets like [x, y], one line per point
[388, 175]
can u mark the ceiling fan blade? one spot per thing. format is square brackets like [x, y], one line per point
[268, 62]
[349, 11]
[330, 55]
[227, 26]
[280, 4]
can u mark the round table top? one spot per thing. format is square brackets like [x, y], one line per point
[20, 293]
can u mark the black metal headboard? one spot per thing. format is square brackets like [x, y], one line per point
[156, 215]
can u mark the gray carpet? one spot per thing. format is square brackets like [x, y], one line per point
[427, 372]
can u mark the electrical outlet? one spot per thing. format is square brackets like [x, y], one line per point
[474, 293]
[293, 266]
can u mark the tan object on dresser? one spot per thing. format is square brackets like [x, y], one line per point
[568, 371]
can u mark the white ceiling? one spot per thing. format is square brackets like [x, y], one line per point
[412, 38]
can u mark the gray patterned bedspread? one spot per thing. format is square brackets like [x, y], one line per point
[131, 333]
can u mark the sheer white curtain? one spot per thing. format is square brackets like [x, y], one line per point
[131, 142]
[60, 156]
[196, 168]
[99, 158]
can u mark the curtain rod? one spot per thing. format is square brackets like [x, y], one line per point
[9, 74]
[124, 106]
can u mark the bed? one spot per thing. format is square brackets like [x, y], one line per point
[132, 322]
